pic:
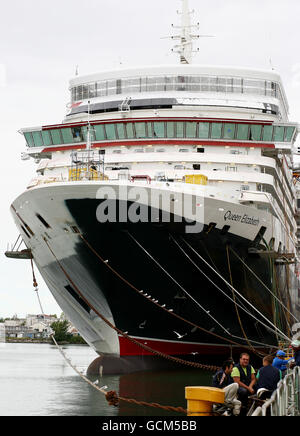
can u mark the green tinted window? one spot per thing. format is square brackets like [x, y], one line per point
[130, 131]
[179, 130]
[29, 139]
[170, 130]
[255, 132]
[159, 130]
[278, 134]
[229, 130]
[216, 130]
[289, 133]
[267, 133]
[55, 135]
[140, 129]
[150, 130]
[92, 133]
[99, 132]
[243, 131]
[110, 131]
[46, 137]
[191, 129]
[67, 136]
[121, 131]
[203, 130]
[37, 138]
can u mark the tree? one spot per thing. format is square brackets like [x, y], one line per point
[61, 331]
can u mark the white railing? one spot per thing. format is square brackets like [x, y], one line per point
[285, 401]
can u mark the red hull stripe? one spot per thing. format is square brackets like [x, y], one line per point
[136, 120]
[160, 142]
[128, 348]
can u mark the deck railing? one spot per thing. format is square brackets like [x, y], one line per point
[285, 401]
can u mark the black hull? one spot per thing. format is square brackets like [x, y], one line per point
[226, 327]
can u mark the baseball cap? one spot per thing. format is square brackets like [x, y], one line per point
[280, 353]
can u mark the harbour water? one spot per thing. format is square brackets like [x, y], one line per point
[35, 380]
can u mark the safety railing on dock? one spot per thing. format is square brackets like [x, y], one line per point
[285, 401]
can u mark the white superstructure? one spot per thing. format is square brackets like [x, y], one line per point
[216, 133]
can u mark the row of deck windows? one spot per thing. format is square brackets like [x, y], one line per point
[160, 129]
[175, 83]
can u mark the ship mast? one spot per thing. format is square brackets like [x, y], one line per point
[186, 37]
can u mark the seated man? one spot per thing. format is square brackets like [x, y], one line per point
[222, 380]
[244, 375]
[268, 376]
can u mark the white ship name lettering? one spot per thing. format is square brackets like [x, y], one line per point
[245, 219]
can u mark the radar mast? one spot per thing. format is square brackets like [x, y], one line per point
[186, 37]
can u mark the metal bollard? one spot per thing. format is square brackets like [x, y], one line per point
[200, 399]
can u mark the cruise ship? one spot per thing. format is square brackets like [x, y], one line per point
[162, 212]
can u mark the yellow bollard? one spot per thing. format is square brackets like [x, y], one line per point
[200, 399]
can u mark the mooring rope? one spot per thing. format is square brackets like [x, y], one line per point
[274, 328]
[224, 293]
[153, 301]
[236, 306]
[125, 335]
[263, 284]
[181, 287]
[111, 396]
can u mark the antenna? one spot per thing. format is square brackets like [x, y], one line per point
[186, 37]
[88, 138]
[271, 64]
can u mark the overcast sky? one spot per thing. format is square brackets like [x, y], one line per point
[42, 42]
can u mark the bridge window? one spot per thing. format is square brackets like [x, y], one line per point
[203, 131]
[255, 132]
[243, 132]
[191, 128]
[56, 136]
[179, 130]
[84, 131]
[67, 135]
[121, 131]
[159, 130]
[37, 138]
[46, 138]
[99, 132]
[267, 133]
[229, 131]
[140, 129]
[110, 131]
[170, 130]
[130, 131]
[289, 133]
[216, 130]
[278, 133]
